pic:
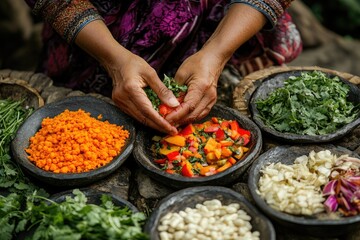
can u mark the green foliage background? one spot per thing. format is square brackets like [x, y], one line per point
[340, 16]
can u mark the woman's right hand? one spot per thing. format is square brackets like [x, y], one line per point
[130, 75]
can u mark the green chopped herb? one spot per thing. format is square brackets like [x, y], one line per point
[170, 84]
[310, 104]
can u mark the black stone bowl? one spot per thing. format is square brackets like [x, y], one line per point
[142, 154]
[189, 197]
[94, 197]
[305, 225]
[89, 104]
[277, 80]
[20, 91]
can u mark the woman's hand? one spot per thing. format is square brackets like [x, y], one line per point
[200, 72]
[130, 75]
[129, 80]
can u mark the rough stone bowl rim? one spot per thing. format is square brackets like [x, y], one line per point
[202, 191]
[71, 179]
[26, 87]
[150, 168]
[94, 193]
[253, 179]
[291, 137]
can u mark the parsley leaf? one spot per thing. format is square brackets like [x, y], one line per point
[310, 104]
[170, 84]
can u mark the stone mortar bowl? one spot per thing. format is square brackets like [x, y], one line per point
[89, 104]
[143, 154]
[189, 197]
[277, 80]
[309, 225]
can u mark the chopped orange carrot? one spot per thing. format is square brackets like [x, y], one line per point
[75, 142]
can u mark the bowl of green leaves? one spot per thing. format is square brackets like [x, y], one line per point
[82, 214]
[306, 106]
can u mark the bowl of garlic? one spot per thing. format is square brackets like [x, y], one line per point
[312, 189]
[208, 212]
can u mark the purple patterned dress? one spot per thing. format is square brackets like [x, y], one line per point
[163, 32]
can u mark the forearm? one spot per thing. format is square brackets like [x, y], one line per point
[96, 39]
[239, 24]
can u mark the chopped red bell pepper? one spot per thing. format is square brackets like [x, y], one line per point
[244, 132]
[215, 120]
[171, 171]
[189, 129]
[246, 139]
[234, 125]
[220, 135]
[173, 155]
[160, 161]
[165, 109]
[224, 124]
[212, 128]
[187, 170]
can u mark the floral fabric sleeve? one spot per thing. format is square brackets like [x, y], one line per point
[272, 9]
[67, 17]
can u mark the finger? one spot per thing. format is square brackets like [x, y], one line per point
[166, 95]
[139, 107]
[191, 100]
[195, 102]
[200, 111]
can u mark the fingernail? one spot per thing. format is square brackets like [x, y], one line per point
[173, 102]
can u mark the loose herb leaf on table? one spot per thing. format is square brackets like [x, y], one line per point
[310, 104]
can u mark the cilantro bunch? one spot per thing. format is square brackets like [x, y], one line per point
[310, 104]
[71, 219]
[170, 83]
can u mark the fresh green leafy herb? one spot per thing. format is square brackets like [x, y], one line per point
[12, 115]
[170, 84]
[310, 104]
[73, 218]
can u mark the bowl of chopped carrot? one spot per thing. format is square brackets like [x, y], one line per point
[214, 151]
[74, 141]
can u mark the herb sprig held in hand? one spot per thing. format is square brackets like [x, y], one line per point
[309, 104]
[178, 90]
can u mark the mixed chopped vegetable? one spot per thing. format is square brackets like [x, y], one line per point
[178, 90]
[310, 104]
[202, 149]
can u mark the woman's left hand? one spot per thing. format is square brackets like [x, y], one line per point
[200, 72]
